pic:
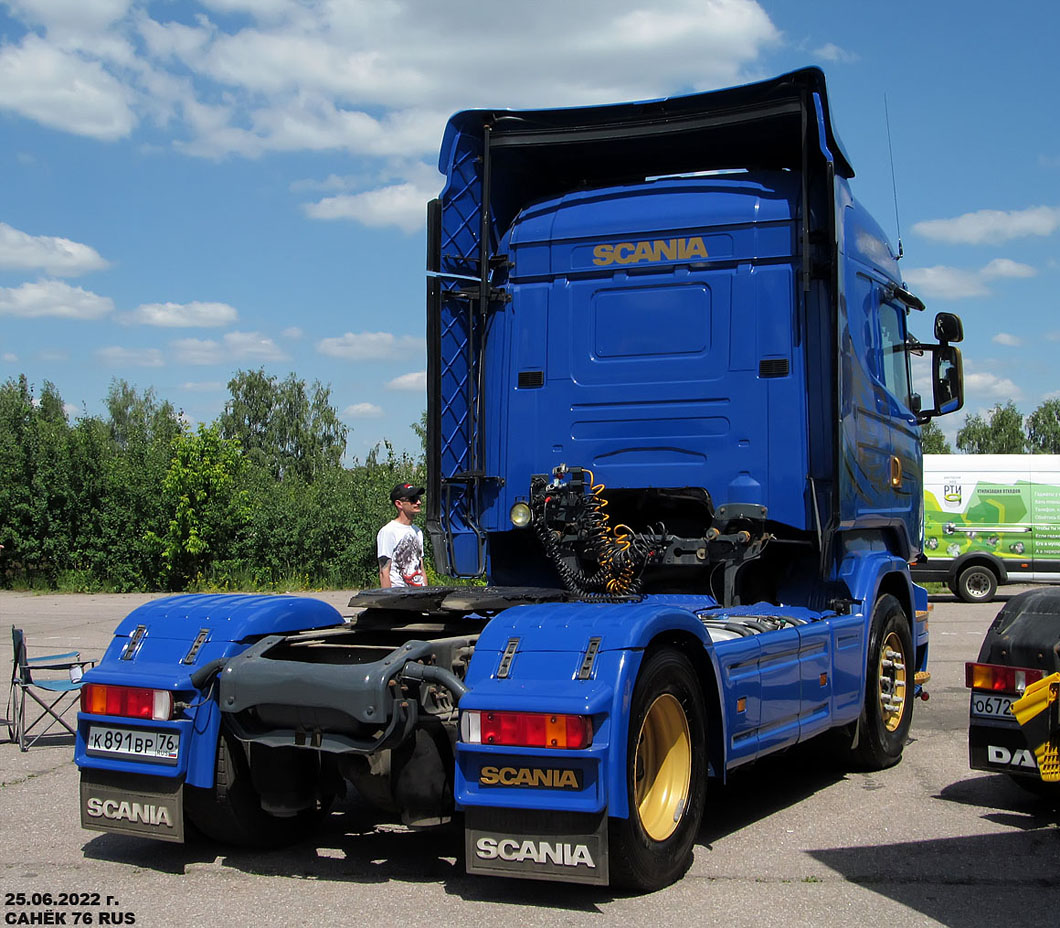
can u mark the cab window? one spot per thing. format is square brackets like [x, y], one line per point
[894, 357]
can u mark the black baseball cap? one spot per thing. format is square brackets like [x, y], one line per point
[405, 491]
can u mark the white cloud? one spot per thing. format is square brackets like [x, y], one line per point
[403, 205]
[53, 298]
[377, 80]
[1004, 338]
[235, 346]
[832, 52]
[991, 226]
[953, 283]
[59, 257]
[63, 90]
[1006, 267]
[413, 382]
[365, 346]
[202, 386]
[183, 315]
[9, 357]
[991, 386]
[84, 15]
[71, 409]
[294, 333]
[363, 411]
[947, 283]
[116, 356]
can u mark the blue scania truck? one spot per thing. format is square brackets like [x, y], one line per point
[671, 423]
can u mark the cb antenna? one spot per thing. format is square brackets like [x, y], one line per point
[894, 185]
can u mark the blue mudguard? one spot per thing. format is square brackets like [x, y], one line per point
[161, 644]
[543, 676]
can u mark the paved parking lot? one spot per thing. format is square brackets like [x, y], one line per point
[787, 843]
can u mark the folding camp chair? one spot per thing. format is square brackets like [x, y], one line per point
[60, 693]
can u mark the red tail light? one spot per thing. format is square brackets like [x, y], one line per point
[999, 679]
[129, 701]
[527, 729]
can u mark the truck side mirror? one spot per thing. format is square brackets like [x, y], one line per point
[948, 328]
[947, 381]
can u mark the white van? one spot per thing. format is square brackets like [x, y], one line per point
[990, 519]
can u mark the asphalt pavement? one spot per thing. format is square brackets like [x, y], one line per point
[789, 842]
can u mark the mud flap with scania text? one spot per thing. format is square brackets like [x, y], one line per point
[145, 807]
[537, 845]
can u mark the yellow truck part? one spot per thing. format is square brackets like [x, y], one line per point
[1038, 712]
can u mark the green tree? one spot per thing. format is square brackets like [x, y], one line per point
[1001, 432]
[207, 504]
[1043, 428]
[283, 427]
[37, 501]
[934, 440]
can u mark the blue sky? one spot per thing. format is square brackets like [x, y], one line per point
[188, 189]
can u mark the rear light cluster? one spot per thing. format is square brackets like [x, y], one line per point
[1000, 679]
[129, 701]
[526, 729]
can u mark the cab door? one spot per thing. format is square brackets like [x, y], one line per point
[894, 401]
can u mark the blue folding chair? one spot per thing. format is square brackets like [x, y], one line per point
[60, 693]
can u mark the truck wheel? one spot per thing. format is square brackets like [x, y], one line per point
[665, 776]
[888, 710]
[976, 584]
[231, 812]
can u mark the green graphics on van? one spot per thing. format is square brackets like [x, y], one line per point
[1012, 521]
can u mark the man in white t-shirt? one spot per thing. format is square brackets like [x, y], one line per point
[399, 543]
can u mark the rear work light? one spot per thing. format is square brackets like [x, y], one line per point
[998, 678]
[129, 701]
[526, 729]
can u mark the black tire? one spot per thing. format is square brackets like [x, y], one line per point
[666, 776]
[976, 584]
[888, 709]
[231, 813]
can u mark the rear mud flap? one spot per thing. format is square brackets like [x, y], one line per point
[127, 804]
[537, 845]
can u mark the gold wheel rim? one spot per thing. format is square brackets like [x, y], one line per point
[892, 682]
[662, 767]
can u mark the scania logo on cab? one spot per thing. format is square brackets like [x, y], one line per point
[660, 249]
[538, 852]
[532, 777]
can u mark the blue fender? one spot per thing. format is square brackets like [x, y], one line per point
[161, 656]
[543, 676]
[866, 572]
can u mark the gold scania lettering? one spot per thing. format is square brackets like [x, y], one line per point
[532, 777]
[660, 249]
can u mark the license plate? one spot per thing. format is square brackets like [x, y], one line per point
[992, 706]
[158, 746]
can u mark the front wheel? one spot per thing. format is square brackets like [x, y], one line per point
[888, 710]
[665, 775]
[976, 584]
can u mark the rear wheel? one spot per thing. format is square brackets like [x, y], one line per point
[976, 584]
[230, 812]
[665, 775]
[888, 710]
